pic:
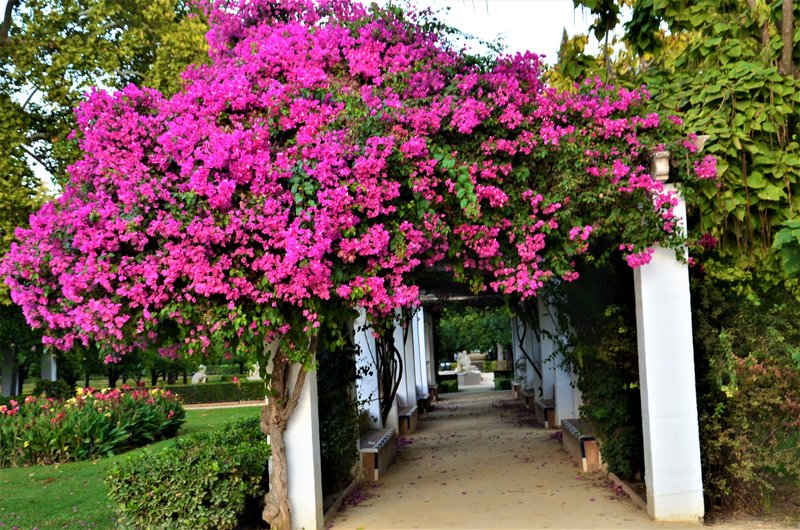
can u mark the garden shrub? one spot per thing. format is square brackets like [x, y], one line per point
[220, 392]
[201, 481]
[54, 389]
[42, 430]
[448, 385]
[502, 383]
[223, 369]
[748, 365]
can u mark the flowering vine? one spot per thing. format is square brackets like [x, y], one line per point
[329, 155]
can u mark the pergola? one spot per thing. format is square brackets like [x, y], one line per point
[673, 472]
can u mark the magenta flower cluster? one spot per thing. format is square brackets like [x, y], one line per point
[326, 157]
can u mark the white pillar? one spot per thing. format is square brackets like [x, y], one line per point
[563, 379]
[303, 458]
[49, 372]
[8, 381]
[516, 355]
[367, 382]
[673, 475]
[407, 391]
[420, 352]
[393, 419]
[429, 362]
[548, 348]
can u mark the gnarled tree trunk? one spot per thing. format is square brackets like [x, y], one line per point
[282, 400]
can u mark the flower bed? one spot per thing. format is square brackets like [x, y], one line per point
[43, 430]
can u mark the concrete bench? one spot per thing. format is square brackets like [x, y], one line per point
[528, 397]
[545, 410]
[377, 449]
[408, 418]
[579, 441]
[424, 403]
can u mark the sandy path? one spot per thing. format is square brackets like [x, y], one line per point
[477, 461]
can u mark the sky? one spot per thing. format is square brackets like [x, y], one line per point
[525, 25]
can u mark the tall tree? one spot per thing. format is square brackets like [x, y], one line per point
[53, 51]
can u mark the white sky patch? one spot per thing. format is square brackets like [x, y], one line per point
[523, 25]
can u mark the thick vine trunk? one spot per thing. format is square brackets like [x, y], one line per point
[275, 415]
[277, 509]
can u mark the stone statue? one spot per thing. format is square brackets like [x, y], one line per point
[465, 364]
[200, 375]
[255, 373]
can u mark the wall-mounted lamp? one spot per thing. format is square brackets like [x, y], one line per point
[659, 166]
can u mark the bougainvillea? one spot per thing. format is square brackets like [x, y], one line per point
[328, 155]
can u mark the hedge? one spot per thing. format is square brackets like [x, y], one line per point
[448, 385]
[220, 392]
[202, 481]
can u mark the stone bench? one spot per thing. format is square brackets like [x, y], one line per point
[424, 403]
[377, 448]
[545, 410]
[408, 418]
[579, 441]
[528, 397]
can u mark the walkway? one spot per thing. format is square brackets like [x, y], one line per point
[477, 461]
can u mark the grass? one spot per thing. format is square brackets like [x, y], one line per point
[73, 495]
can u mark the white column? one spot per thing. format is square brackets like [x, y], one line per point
[367, 382]
[407, 391]
[515, 353]
[548, 349]
[420, 355]
[393, 419]
[8, 381]
[430, 369]
[666, 372]
[303, 458]
[49, 372]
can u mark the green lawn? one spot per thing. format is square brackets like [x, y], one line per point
[73, 495]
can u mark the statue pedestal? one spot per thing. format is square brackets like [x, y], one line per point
[469, 378]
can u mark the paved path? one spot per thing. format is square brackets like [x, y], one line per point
[478, 461]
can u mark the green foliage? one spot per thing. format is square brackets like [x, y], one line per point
[45, 431]
[220, 392]
[717, 67]
[55, 50]
[748, 362]
[598, 311]
[473, 329]
[54, 389]
[338, 417]
[787, 242]
[223, 369]
[73, 495]
[203, 481]
[16, 335]
[448, 385]
[502, 383]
